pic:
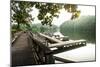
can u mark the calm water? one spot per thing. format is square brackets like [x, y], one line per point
[85, 53]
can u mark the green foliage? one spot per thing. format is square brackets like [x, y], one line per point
[44, 28]
[35, 28]
[72, 8]
[14, 27]
[20, 12]
[82, 28]
[47, 11]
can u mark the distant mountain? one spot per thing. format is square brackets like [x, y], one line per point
[81, 28]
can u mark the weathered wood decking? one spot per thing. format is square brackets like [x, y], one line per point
[63, 45]
[26, 49]
[31, 48]
[50, 38]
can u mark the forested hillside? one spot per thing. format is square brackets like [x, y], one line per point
[81, 28]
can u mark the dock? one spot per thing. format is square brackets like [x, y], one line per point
[63, 45]
[54, 40]
[68, 43]
[36, 48]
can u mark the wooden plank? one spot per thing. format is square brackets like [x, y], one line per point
[16, 35]
[65, 38]
[50, 38]
[61, 43]
[63, 49]
[66, 43]
[63, 60]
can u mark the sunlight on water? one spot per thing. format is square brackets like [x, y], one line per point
[86, 53]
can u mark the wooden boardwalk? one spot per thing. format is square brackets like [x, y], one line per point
[32, 48]
[63, 45]
[27, 50]
[51, 39]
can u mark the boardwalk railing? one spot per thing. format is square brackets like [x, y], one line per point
[51, 39]
[36, 43]
[68, 43]
[62, 46]
[16, 37]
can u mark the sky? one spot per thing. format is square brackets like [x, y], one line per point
[64, 15]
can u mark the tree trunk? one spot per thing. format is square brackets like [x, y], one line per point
[18, 27]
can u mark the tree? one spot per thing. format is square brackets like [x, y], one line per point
[47, 11]
[20, 12]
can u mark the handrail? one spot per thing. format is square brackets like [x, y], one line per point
[16, 37]
[66, 43]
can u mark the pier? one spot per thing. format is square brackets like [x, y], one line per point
[36, 48]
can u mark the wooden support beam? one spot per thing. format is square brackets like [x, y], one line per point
[50, 38]
[63, 45]
[63, 49]
[68, 43]
[63, 60]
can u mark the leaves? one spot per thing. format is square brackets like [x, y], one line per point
[70, 7]
[47, 11]
[75, 15]
[53, 10]
[20, 12]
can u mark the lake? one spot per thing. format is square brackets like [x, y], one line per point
[85, 53]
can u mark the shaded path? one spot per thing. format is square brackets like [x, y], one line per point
[26, 51]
